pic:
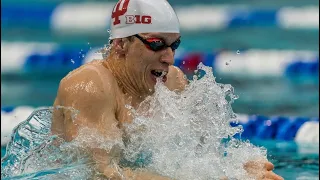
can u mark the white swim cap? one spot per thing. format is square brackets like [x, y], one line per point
[131, 17]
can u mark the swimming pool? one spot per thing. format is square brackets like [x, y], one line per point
[290, 161]
[256, 96]
[285, 96]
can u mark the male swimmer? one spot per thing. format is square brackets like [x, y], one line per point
[144, 37]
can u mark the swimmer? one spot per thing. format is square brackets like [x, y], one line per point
[144, 37]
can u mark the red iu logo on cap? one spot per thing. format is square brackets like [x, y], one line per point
[121, 8]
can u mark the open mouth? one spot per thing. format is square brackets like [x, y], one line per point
[159, 74]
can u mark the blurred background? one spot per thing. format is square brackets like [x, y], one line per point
[267, 49]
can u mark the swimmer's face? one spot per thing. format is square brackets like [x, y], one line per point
[145, 64]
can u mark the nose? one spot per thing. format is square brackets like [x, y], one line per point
[167, 56]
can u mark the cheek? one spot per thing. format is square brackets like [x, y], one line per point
[136, 62]
[141, 58]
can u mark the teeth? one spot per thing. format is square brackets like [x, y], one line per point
[159, 73]
[164, 73]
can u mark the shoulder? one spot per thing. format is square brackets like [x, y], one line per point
[176, 79]
[90, 82]
[89, 90]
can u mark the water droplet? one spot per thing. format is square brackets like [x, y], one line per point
[235, 97]
[183, 62]
[83, 55]
[195, 77]
[88, 43]
[72, 61]
[238, 52]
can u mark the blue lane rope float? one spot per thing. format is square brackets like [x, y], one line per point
[52, 16]
[255, 126]
[290, 64]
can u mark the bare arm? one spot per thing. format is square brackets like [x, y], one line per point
[96, 103]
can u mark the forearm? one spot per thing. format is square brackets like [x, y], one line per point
[116, 173]
[107, 166]
[143, 175]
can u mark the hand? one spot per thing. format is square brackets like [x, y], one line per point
[261, 170]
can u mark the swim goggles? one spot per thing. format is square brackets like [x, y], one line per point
[157, 44]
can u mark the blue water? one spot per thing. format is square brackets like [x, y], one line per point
[271, 96]
[289, 162]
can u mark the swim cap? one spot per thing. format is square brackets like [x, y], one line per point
[131, 17]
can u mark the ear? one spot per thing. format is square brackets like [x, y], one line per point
[121, 46]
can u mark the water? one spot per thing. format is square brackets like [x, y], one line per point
[289, 161]
[198, 142]
[233, 39]
[293, 160]
[267, 96]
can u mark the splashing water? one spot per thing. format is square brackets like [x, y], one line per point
[106, 48]
[181, 135]
[184, 132]
[34, 152]
[31, 152]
